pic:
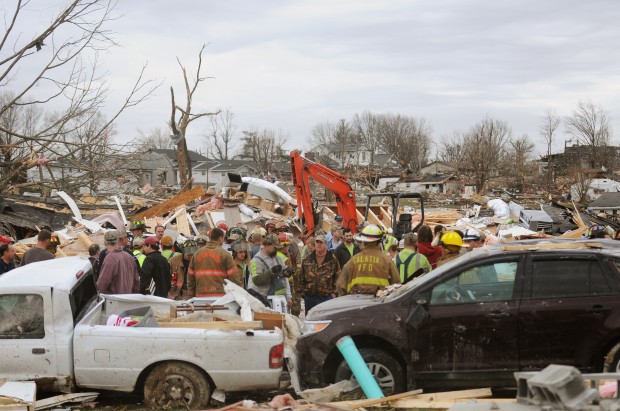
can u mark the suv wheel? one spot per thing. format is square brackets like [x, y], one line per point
[388, 373]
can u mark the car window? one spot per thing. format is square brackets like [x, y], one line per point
[82, 295]
[483, 283]
[568, 278]
[21, 316]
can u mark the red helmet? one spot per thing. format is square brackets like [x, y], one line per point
[222, 226]
[283, 238]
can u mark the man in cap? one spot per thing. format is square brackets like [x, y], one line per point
[319, 272]
[137, 229]
[137, 250]
[409, 261]
[209, 267]
[118, 274]
[267, 269]
[167, 243]
[155, 276]
[257, 241]
[178, 268]
[371, 269]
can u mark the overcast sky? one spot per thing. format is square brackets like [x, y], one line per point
[291, 64]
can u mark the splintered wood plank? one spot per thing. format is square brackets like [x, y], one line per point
[387, 216]
[550, 246]
[216, 325]
[372, 217]
[182, 223]
[170, 204]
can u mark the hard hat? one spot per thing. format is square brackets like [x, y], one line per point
[137, 225]
[240, 247]
[222, 226]
[166, 241]
[452, 238]
[283, 238]
[189, 247]
[282, 225]
[369, 234]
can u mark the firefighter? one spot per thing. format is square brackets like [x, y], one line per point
[371, 269]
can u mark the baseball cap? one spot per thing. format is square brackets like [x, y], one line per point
[320, 238]
[111, 236]
[6, 240]
[151, 241]
[273, 239]
[167, 241]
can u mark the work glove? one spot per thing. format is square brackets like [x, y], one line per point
[288, 271]
[276, 269]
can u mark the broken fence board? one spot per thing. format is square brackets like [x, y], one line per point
[216, 325]
[65, 398]
[172, 203]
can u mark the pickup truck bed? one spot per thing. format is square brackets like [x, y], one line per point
[52, 331]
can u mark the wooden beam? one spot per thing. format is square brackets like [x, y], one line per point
[216, 325]
[387, 216]
[372, 217]
[170, 204]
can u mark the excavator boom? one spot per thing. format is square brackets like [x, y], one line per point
[302, 171]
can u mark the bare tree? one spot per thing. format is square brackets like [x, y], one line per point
[264, 147]
[549, 124]
[452, 150]
[520, 153]
[221, 137]
[322, 135]
[589, 124]
[54, 66]
[186, 117]
[157, 138]
[367, 129]
[581, 182]
[407, 138]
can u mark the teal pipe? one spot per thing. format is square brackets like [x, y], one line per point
[359, 368]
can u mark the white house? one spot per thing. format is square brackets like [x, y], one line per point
[213, 172]
[597, 187]
[435, 184]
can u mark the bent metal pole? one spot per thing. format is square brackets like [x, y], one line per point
[359, 368]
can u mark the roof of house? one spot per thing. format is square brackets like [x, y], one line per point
[445, 163]
[172, 154]
[606, 200]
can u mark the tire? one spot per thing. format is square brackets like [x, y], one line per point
[176, 385]
[387, 371]
[612, 360]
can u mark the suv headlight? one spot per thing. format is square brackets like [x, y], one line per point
[311, 327]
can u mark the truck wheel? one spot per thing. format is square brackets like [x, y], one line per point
[176, 385]
[387, 371]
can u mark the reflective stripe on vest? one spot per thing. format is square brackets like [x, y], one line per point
[379, 282]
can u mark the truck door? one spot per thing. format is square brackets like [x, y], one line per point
[27, 336]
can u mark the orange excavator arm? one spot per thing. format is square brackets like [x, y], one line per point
[302, 171]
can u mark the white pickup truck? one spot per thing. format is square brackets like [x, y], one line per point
[52, 331]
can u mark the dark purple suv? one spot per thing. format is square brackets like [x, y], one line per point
[475, 321]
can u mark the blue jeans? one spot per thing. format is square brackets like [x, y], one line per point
[312, 300]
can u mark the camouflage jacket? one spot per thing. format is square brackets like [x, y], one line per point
[319, 280]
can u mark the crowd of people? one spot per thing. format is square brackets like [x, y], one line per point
[271, 261]
[268, 261]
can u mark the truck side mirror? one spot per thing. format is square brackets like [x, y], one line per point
[417, 318]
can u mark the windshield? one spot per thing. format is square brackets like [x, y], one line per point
[396, 293]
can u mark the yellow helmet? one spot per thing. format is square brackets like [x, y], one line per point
[452, 238]
[369, 234]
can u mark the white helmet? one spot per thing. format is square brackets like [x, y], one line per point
[370, 234]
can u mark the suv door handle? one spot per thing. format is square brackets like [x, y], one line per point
[598, 309]
[498, 314]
